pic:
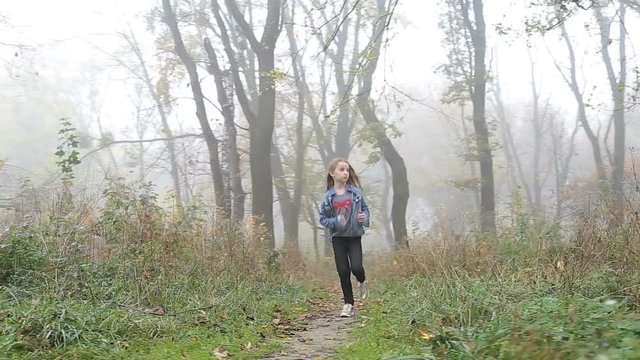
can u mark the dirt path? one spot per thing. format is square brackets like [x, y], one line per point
[324, 333]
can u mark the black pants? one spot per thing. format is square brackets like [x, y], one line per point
[348, 255]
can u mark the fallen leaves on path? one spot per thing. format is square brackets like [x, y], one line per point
[319, 333]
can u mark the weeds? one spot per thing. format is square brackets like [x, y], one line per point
[118, 276]
[527, 294]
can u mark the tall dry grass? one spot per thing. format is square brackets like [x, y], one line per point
[530, 252]
[125, 234]
[90, 275]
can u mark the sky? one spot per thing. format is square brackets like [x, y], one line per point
[70, 39]
[71, 27]
[72, 34]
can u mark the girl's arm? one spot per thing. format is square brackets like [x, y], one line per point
[365, 209]
[330, 223]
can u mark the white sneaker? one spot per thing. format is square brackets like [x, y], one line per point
[364, 290]
[347, 311]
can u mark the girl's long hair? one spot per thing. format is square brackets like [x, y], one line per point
[353, 180]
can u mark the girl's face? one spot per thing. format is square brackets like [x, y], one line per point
[341, 173]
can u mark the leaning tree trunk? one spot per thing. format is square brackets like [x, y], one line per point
[201, 112]
[164, 118]
[382, 141]
[572, 82]
[398, 171]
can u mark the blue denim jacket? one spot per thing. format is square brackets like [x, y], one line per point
[328, 217]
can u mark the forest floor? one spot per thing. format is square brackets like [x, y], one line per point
[519, 300]
[323, 331]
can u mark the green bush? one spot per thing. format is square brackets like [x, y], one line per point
[22, 257]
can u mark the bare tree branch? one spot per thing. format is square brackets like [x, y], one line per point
[106, 145]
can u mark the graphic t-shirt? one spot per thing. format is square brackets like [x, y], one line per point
[342, 207]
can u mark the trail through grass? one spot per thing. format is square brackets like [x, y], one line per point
[138, 282]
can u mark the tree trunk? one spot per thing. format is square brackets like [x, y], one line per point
[342, 135]
[382, 141]
[224, 89]
[510, 149]
[384, 209]
[344, 84]
[289, 216]
[201, 112]
[103, 137]
[261, 129]
[399, 176]
[295, 203]
[140, 133]
[299, 167]
[472, 164]
[478, 95]
[575, 89]
[562, 164]
[617, 86]
[344, 79]
[537, 145]
[260, 141]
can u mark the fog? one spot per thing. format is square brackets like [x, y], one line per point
[74, 60]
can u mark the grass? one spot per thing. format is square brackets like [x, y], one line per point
[133, 281]
[119, 277]
[486, 318]
[240, 324]
[504, 299]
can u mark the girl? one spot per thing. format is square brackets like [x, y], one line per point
[345, 213]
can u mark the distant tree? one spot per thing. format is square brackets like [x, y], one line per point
[225, 92]
[335, 136]
[291, 201]
[143, 73]
[563, 150]
[201, 112]
[464, 26]
[617, 85]
[515, 167]
[571, 79]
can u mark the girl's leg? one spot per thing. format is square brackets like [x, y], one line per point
[341, 253]
[355, 258]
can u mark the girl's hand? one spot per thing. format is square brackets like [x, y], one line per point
[361, 217]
